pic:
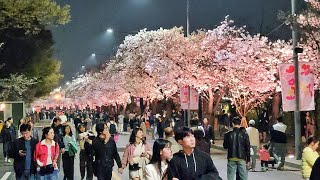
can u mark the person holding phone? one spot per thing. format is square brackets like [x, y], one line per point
[23, 151]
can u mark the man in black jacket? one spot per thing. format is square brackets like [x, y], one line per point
[58, 129]
[22, 153]
[191, 163]
[238, 145]
[278, 139]
[105, 152]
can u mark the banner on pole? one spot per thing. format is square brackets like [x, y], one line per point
[184, 97]
[194, 99]
[306, 84]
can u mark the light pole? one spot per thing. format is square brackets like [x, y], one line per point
[297, 123]
[188, 13]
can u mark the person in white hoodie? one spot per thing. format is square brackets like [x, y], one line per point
[253, 134]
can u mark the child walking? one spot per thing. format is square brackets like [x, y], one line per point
[264, 157]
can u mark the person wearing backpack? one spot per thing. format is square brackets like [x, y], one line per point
[112, 127]
[8, 135]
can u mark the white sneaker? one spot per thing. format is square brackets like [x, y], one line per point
[9, 161]
[6, 159]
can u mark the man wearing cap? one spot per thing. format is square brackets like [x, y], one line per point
[253, 134]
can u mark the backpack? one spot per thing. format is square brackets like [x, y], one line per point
[112, 129]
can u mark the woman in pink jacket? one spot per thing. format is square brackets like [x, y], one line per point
[46, 155]
[137, 154]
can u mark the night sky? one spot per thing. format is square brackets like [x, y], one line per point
[86, 32]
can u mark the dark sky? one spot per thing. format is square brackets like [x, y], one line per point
[85, 34]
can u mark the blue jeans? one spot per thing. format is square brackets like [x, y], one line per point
[237, 166]
[53, 176]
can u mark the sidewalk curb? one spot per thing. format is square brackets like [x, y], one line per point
[289, 164]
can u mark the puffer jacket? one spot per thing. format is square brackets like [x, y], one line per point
[238, 144]
[309, 157]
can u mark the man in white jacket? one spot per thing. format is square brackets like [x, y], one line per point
[253, 134]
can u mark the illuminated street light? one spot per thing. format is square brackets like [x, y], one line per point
[93, 54]
[109, 30]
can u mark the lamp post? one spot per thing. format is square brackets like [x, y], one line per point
[188, 13]
[296, 50]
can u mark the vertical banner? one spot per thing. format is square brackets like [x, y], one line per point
[184, 97]
[306, 84]
[194, 99]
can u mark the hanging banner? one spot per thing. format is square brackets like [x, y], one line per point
[194, 99]
[306, 84]
[184, 97]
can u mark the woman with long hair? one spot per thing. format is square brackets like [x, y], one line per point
[137, 154]
[46, 155]
[161, 154]
[68, 154]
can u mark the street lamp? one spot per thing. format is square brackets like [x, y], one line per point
[93, 54]
[109, 30]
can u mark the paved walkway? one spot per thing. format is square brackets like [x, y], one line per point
[218, 155]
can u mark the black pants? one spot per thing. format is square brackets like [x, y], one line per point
[85, 163]
[105, 174]
[68, 166]
[160, 131]
[264, 163]
[125, 127]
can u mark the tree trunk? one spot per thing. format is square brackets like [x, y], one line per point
[169, 104]
[216, 105]
[275, 107]
[210, 107]
[154, 106]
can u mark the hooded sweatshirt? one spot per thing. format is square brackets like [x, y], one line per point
[197, 166]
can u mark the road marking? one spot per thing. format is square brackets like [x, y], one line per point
[6, 176]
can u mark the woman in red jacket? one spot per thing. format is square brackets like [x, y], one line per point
[46, 155]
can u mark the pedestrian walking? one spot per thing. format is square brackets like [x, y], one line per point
[68, 154]
[175, 147]
[120, 123]
[161, 154]
[46, 155]
[278, 142]
[58, 129]
[8, 135]
[238, 145]
[191, 163]
[137, 154]
[264, 157]
[263, 125]
[105, 153]
[86, 154]
[315, 173]
[23, 153]
[309, 156]
[201, 143]
[208, 131]
[253, 134]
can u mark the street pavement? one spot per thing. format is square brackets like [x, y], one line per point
[218, 157]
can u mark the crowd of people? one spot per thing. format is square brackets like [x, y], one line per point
[178, 152]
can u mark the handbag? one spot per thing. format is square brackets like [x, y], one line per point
[72, 149]
[45, 170]
[48, 169]
[134, 167]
